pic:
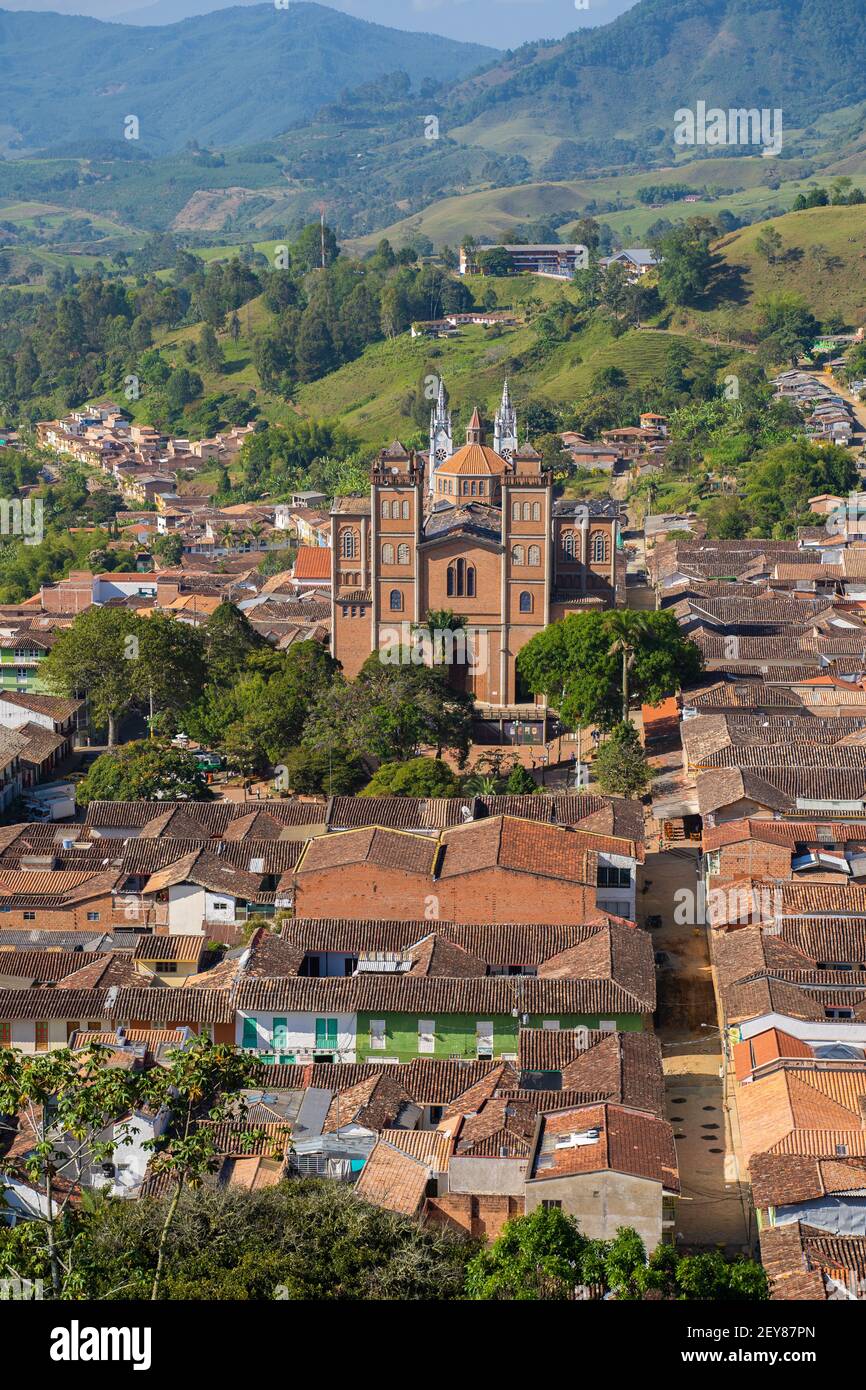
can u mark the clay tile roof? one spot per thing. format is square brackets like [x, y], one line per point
[627, 1141]
[313, 562]
[474, 460]
[387, 849]
[517, 845]
[438, 956]
[375, 1103]
[786, 1179]
[394, 1180]
[806, 1263]
[186, 949]
[55, 706]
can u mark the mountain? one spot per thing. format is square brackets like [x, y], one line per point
[609, 95]
[508, 25]
[233, 77]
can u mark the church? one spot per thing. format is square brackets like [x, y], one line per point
[474, 531]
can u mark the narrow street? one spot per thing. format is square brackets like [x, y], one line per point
[714, 1208]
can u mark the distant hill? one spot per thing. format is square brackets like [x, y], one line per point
[234, 77]
[608, 95]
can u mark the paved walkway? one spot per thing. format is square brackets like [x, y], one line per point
[714, 1208]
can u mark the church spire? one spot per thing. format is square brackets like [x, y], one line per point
[441, 443]
[475, 432]
[505, 426]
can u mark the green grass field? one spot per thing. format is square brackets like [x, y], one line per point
[837, 287]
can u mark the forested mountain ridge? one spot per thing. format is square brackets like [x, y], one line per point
[229, 78]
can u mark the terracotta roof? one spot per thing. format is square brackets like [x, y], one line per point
[387, 849]
[44, 966]
[473, 460]
[519, 846]
[628, 1141]
[53, 705]
[393, 1179]
[624, 1067]
[418, 994]
[496, 944]
[802, 1262]
[186, 949]
[313, 562]
[787, 1179]
[375, 1102]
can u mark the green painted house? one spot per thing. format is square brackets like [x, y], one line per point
[397, 1018]
[20, 660]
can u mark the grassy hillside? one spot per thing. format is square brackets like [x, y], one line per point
[834, 286]
[754, 188]
[367, 394]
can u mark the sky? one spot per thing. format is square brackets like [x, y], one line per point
[499, 23]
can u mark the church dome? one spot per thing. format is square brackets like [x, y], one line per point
[475, 459]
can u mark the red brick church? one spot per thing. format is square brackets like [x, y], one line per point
[474, 531]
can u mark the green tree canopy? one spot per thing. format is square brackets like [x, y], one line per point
[418, 777]
[621, 767]
[145, 771]
[576, 663]
[392, 711]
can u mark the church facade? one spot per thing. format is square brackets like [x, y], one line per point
[473, 531]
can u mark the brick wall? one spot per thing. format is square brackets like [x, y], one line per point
[489, 895]
[480, 1217]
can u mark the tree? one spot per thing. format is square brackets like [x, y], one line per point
[66, 1102]
[210, 354]
[258, 714]
[170, 667]
[143, 771]
[496, 261]
[620, 767]
[323, 772]
[229, 641]
[97, 657]
[627, 630]
[418, 777]
[685, 266]
[577, 665]
[198, 1088]
[537, 1257]
[544, 1255]
[393, 711]
[769, 244]
[302, 1240]
[520, 781]
[169, 549]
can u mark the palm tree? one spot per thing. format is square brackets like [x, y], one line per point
[627, 630]
[226, 535]
[476, 785]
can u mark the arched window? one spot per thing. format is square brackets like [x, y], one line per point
[598, 547]
[396, 601]
[517, 556]
[534, 555]
[461, 580]
[349, 545]
[527, 511]
[402, 554]
[569, 544]
[386, 508]
[387, 554]
[515, 511]
[526, 603]
[536, 511]
[406, 509]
